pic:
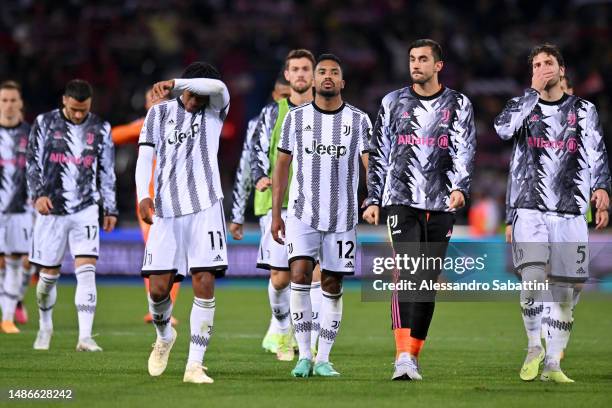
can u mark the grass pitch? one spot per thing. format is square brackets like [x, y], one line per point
[472, 357]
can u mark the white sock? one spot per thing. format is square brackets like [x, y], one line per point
[12, 282]
[575, 299]
[161, 313]
[558, 325]
[2, 274]
[532, 305]
[279, 303]
[301, 317]
[315, 301]
[26, 276]
[46, 295]
[331, 316]
[201, 322]
[85, 298]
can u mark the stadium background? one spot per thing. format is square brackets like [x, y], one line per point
[124, 47]
[121, 47]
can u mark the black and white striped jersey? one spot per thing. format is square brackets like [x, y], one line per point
[73, 165]
[243, 184]
[326, 148]
[13, 183]
[559, 156]
[186, 176]
[423, 149]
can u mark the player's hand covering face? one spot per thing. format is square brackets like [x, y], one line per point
[328, 78]
[546, 72]
[299, 74]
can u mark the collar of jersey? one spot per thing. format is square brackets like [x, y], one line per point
[11, 127]
[326, 111]
[69, 121]
[557, 102]
[426, 98]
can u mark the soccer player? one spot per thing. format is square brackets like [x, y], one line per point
[243, 183]
[299, 66]
[327, 137]
[559, 162]
[421, 163]
[15, 217]
[186, 213]
[130, 133]
[568, 88]
[70, 169]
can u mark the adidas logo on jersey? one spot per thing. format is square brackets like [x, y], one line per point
[321, 149]
[349, 264]
[171, 122]
[218, 258]
[308, 128]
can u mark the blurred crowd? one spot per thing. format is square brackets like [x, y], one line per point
[122, 47]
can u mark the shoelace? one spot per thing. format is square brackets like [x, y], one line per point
[158, 348]
[201, 367]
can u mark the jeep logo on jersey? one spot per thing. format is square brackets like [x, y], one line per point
[321, 149]
[179, 137]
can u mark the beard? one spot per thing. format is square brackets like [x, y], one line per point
[422, 79]
[552, 83]
[328, 93]
[301, 89]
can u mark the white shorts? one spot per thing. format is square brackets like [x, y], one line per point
[271, 255]
[16, 233]
[334, 250]
[194, 242]
[81, 231]
[559, 239]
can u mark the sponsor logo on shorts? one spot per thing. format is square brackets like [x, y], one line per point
[349, 264]
[218, 258]
[581, 271]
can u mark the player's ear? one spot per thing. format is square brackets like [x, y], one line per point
[438, 66]
[562, 71]
[342, 84]
[286, 74]
[64, 99]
